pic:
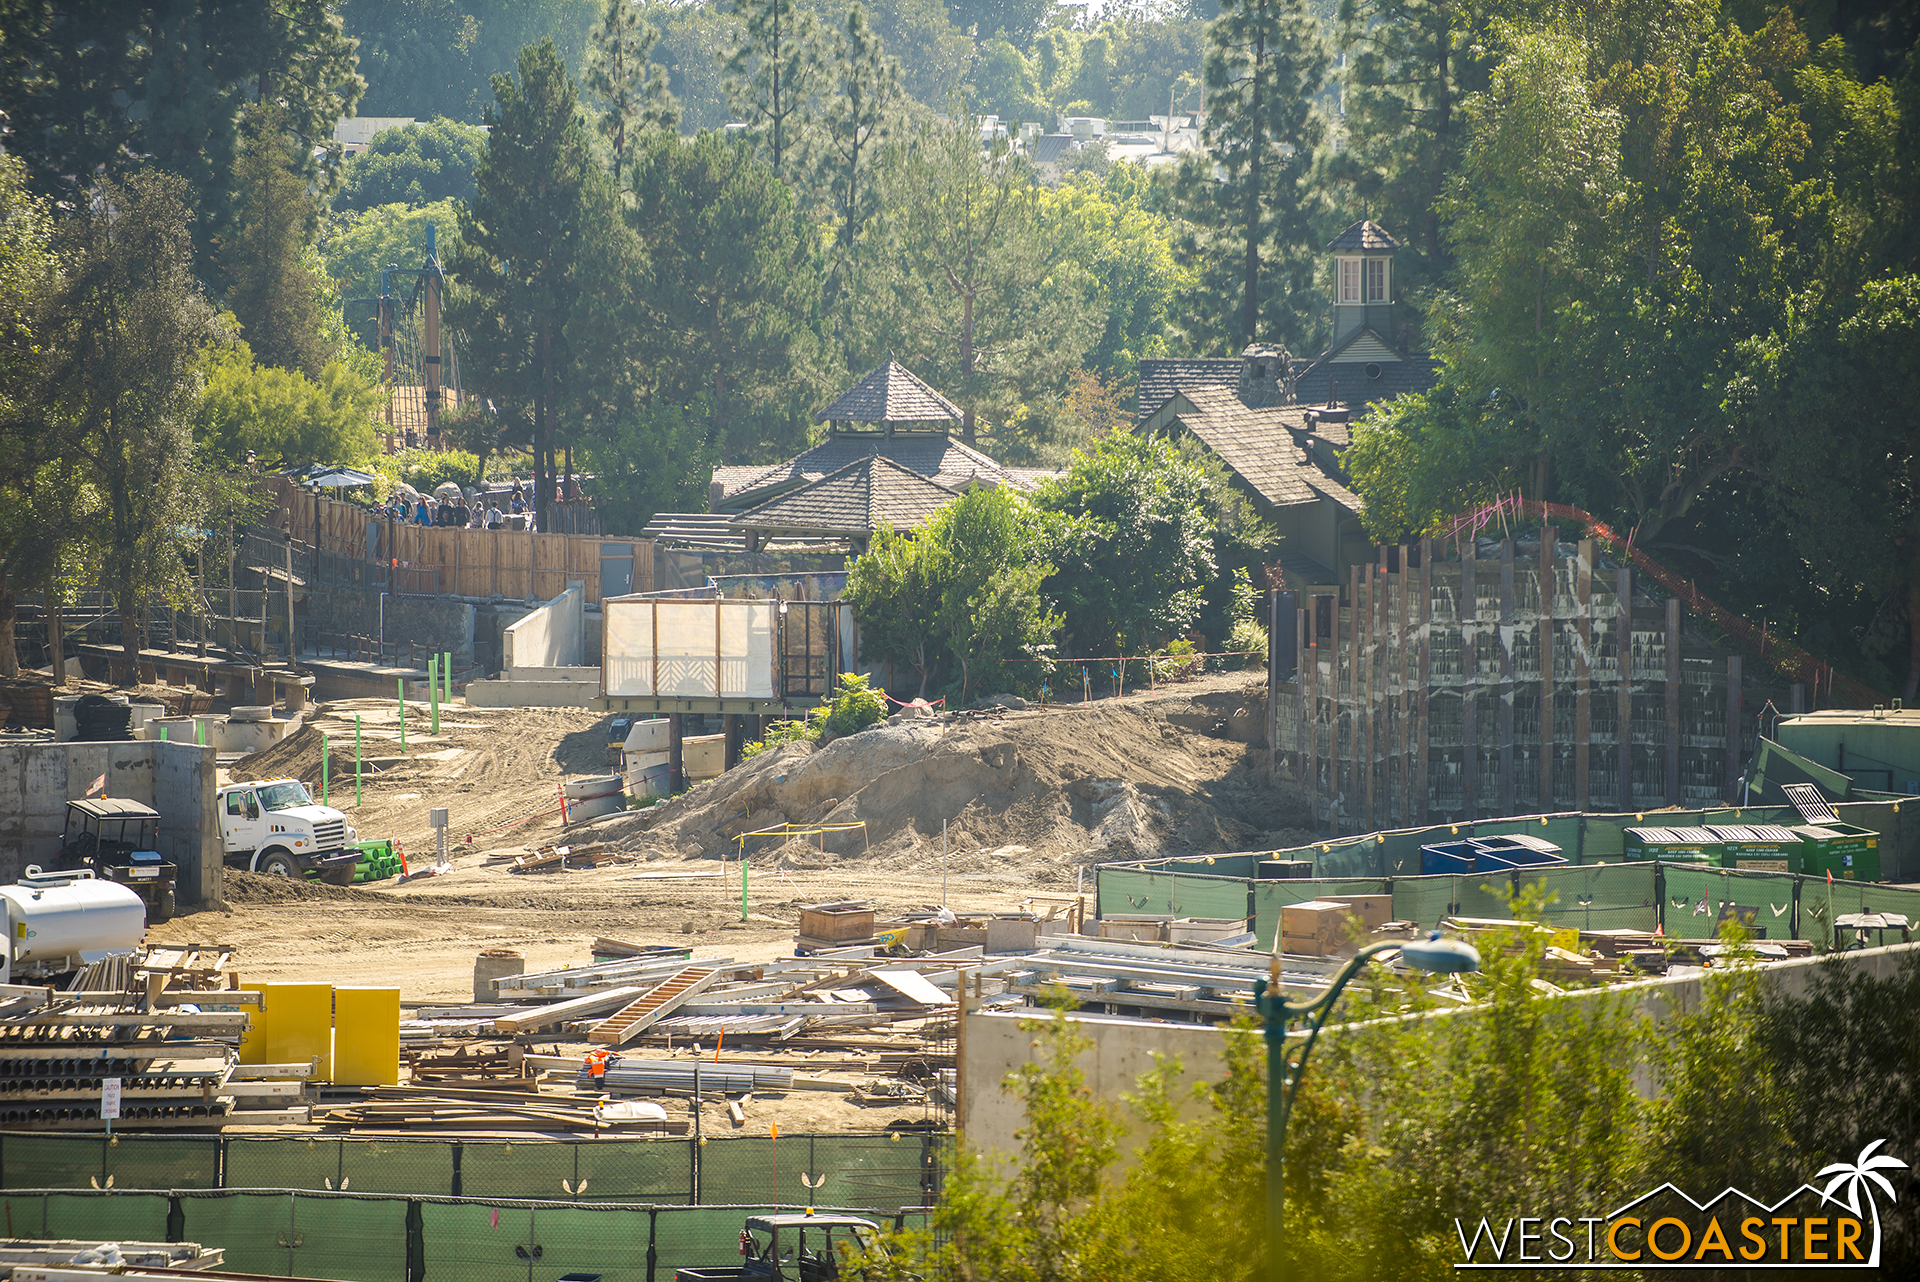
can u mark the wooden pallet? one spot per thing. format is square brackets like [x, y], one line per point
[634, 1019]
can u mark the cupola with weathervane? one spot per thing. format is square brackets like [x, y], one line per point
[1363, 281]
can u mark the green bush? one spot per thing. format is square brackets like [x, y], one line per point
[425, 469]
[779, 732]
[1250, 636]
[855, 706]
[1178, 662]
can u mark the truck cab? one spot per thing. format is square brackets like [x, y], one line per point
[273, 826]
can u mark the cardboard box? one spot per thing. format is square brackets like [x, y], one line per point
[1012, 934]
[1374, 911]
[1316, 928]
[836, 921]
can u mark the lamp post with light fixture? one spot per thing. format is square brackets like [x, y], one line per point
[1433, 954]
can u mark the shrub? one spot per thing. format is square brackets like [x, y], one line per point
[1249, 636]
[855, 706]
[779, 732]
[1178, 662]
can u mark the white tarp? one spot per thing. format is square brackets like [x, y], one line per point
[706, 649]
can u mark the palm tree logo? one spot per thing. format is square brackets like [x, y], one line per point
[1863, 1175]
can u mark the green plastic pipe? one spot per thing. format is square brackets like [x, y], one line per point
[433, 692]
[446, 674]
[743, 885]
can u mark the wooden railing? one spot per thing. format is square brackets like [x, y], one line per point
[422, 560]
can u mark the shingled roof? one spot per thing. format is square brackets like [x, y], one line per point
[1364, 237]
[1259, 446]
[1160, 379]
[934, 455]
[866, 495]
[890, 393]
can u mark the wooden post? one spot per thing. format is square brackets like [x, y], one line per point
[1735, 739]
[653, 613]
[1673, 701]
[1549, 585]
[1423, 616]
[1507, 631]
[676, 750]
[1469, 681]
[1303, 678]
[1365, 650]
[1623, 693]
[730, 724]
[1583, 642]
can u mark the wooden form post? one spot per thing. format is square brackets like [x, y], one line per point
[1583, 642]
[1623, 693]
[1735, 741]
[1423, 615]
[1469, 682]
[1368, 651]
[1673, 701]
[1508, 630]
[1549, 585]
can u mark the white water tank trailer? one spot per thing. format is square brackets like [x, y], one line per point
[60, 921]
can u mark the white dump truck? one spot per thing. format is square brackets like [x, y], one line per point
[57, 922]
[274, 826]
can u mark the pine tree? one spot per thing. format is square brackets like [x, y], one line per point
[517, 267]
[1411, 65]
[771, 75]
[1265, 65]
[866, 85]
[271, 293]
[621, 75]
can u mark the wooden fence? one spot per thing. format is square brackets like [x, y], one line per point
[427, 560]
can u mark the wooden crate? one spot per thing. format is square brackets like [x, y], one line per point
[837, 921]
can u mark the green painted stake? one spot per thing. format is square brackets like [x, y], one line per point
[433, 691]
[446, 673]
[324, 796]
[200, 732]
[356, 759]
[163, 734]
[400, 695]
[743, 885]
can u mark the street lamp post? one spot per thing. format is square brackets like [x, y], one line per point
[1433, 954]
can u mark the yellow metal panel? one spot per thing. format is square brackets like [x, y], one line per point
[366, 1036]
[294, 1025]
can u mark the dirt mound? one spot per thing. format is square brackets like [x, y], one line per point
[1062, 786]
[258, 888]
[295, 757]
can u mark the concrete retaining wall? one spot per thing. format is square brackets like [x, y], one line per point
[177, 779]
[436, 623]
[551, 637]
[532, 694]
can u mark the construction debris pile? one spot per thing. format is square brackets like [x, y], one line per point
[149, 1038]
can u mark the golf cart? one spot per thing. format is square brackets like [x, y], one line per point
[795, 1247]
[119, 841]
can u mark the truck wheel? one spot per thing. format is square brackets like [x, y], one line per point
[278, 864]
[163, 910]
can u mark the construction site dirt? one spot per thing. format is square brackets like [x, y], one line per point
[1030, 799]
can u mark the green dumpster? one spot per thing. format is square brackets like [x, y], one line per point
[1675, 845]
[1760, 847]
[1846, 851]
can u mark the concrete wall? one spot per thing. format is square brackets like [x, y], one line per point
[439, 623]
[994, 1045]
[551, 637]
[177, 779]
[502, 693]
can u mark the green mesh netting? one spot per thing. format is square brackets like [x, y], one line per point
[165, 1162]
[635, 1171]
[861, 1170]
[608, 1242]
[1400, 852]
[1211, 895]
[692, 1237]
[293, 1163]
[526, 1170]
[51, 1161]
[1604, 839]
[475, 1243]
[1125, 890]
[137, 1217]
[1694, 898]
[1422, 899]
[420, 1167]
[255, 1230]
[1350, 857]
[1562, 830]
[358, 1239]
[1592, 897]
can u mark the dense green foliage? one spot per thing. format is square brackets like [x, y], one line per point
[1523, 1105]
[414, 166]
[855, 705]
